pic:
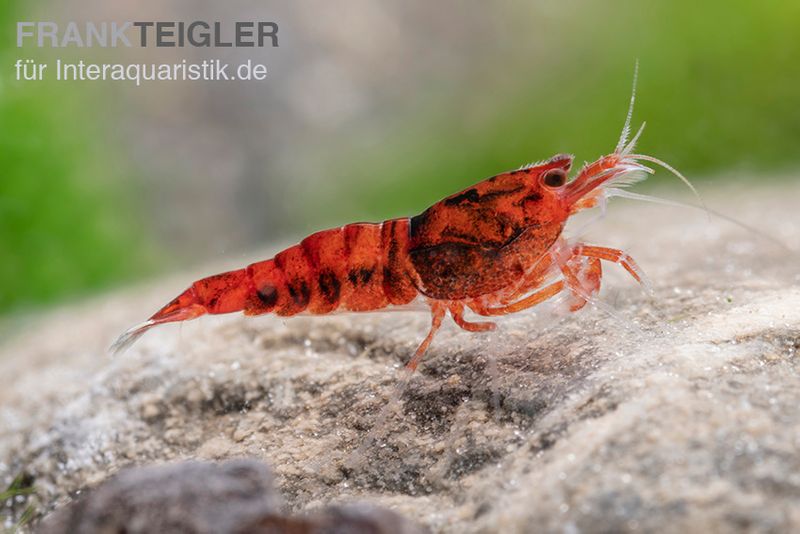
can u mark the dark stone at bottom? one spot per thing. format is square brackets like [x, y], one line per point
[236, 497]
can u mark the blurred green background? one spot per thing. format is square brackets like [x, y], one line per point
[370, 111]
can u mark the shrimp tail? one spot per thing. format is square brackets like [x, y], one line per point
[129, 337]
[221, 293]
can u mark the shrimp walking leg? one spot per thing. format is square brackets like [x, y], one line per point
[586, 273]
[528, 302]
[616, 256]
[586, 292]
[438, 312]
[579, 287]
[457, 311]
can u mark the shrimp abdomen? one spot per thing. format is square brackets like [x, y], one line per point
[357, 267]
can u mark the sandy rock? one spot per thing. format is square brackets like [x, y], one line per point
[676, 411]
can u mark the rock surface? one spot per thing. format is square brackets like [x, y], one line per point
[673, 412]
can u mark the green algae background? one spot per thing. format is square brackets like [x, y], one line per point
[67, 219]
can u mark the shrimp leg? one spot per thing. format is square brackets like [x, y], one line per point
[584, 273]
[457, 311]
[584, 285]
[528, 302]
[438, 312]
[616, 256]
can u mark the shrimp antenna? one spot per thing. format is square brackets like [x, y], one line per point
[616, 192]
[626, 130]
[674, 171]
[624, 148]
[630, 146]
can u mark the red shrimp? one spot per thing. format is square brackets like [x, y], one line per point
[494, 248]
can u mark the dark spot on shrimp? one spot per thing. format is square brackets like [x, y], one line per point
[300, 293]
[360, 276]
[330, 286]
[268, 295]
[393, 283]
[490, 195]
[533, 197]
[365, 275]
[418, 223]
[470, 195]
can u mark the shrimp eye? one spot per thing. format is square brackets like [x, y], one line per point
[554, 178]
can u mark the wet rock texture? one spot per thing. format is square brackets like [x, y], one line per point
[674, 412]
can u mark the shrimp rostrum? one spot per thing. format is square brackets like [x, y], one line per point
[494, 248]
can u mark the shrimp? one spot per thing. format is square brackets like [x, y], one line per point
[495, 248]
